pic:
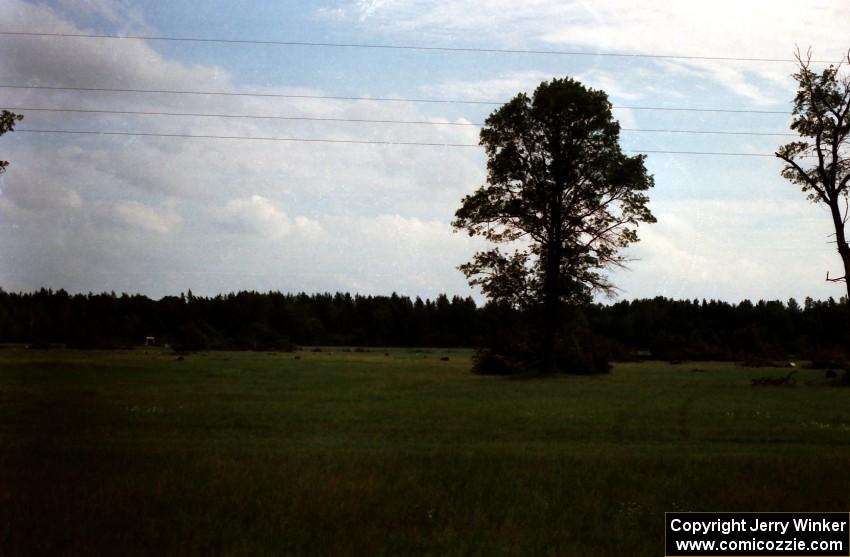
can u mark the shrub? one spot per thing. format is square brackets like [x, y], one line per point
[580, 353]
[828, 359]
[488, 362]
[584, 354]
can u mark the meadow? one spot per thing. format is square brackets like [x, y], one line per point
[395, 453]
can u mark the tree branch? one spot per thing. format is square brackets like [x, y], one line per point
[804, 175]
[838, 279]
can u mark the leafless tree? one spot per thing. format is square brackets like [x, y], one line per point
[819, 162]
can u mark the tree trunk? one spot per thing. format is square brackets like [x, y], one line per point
[552, 282]
[550, 314]
[841, 240]
[845, 257]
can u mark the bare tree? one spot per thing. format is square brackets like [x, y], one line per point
[819, 162]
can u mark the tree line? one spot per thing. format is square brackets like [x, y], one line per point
[659, 327]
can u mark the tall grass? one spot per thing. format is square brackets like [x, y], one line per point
[347, 453]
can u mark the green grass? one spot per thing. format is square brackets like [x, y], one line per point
[135, 453]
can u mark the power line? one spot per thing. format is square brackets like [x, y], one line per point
[252, 138]
[245, 116]
[358, 120]
[401, 47]
[232, 94]
[352, 141]
[710, 132]
[715, 153]
[376, 99]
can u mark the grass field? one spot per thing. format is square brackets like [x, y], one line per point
[337, 452]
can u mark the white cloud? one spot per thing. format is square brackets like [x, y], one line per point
[732, 250]
[496, 89]
[724, 28]
[509, 84]
[120, 13]
[108, 202]
[142, 217]
[391, 252]
[259, 216]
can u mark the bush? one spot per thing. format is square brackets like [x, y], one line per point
[828, 359]
[488, 362]
[580, 354]
[584, 354]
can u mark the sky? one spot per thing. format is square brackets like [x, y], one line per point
[162, 215]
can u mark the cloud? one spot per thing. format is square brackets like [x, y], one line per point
[732, 250]
[261, 217]
[725, 28]
[139, 212]
[497, 89]
[136, 215]
[120, 13]
[509, 84]
[392, 252]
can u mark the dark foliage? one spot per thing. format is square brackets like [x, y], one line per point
[558, 180]
[583, 354]
[828, 359]
[652, 328]
[7, 124]
[517, 349]
[488, 362]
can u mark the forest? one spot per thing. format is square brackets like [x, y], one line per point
[649, 328]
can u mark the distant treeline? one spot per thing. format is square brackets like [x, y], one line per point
[659, 327]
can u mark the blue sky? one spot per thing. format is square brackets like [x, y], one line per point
[158, 215]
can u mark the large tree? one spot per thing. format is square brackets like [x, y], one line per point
[819, 162]
[7, 124]
[562, 196]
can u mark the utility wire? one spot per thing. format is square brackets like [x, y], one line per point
[352, 141]
[231, 94]
[399, 47]
[251, 138]
[245, 116]
[377, 99]
[358, 120]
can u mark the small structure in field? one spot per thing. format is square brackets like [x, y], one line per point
[150, 341]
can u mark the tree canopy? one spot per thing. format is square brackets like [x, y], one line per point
[560, 194]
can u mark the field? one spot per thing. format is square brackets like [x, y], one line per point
[398, 453]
